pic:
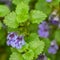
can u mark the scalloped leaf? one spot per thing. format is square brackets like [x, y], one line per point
[19, 1]
[42, 5]
[22, 12]
[28, 55]
[34, 44]
[4, 10]
[10, 20]
[16, 56]
[39, 48]
[37, 16]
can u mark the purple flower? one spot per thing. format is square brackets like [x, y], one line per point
[12, 36]
[43, 30]
[15, 41]
[8, 42]
[53, 48]
[44, 34]
[43, 26]
[54, 22]
[49, 0]
[54, 44]
[42, 57]
[54, 19]
[19, 42]
[13, 44]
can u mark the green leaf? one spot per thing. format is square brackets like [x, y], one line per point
[16, 2]
[10, 20]
[57, 36]
[34, 44]
[4, 10]
[42, 5]
[22, 12]
[39, 48]
[28, 55]
[16, 56]
[37, 16]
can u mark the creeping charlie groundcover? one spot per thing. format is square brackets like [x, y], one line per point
[29, 29]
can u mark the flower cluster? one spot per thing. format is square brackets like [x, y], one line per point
[15, 41]
[43, 30]
[54, 18]
[53, 47]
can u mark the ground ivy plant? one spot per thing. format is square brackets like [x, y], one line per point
[30, 29]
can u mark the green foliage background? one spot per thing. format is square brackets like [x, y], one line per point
[24, 19]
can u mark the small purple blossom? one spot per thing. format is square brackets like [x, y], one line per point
[44, 34]
[49, 0]
[19, 41]
[43, 25]
[43, 30]
[54, 22]
[53, 47]
[52, 50]
[54, 18]
[8, 42]
[15, 41]
[12, 36]
[42, 57]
